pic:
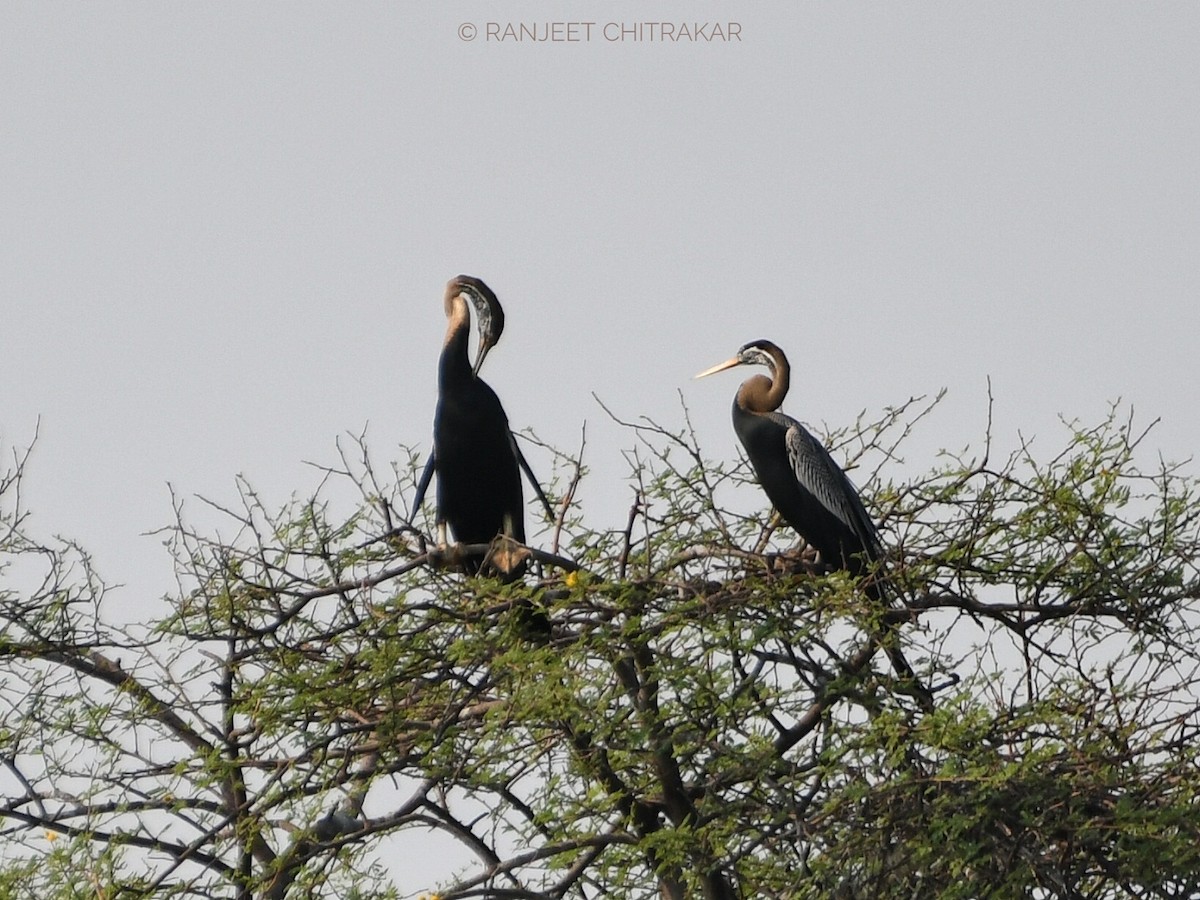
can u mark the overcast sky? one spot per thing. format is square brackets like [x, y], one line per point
[225, 229]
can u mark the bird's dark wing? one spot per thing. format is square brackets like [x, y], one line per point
[822, 477]
[532, 479]
[422, 487]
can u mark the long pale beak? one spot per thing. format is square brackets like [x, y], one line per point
[719, 367]
[484, 346]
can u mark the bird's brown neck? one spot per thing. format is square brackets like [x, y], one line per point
[762, 394]
[454, 360]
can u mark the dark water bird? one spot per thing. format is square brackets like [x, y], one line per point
[803, 482]
[475, 456]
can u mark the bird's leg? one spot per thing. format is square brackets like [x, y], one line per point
[803, 558]
[508, 555]
[772, 559]
[440, 554]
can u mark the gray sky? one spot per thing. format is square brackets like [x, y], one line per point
[226, 228]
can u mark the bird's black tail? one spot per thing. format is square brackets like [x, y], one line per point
[912, 684]
[885, 593]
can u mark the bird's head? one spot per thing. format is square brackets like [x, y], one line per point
[488, 313]
[755, 353]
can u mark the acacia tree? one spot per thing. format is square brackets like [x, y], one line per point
[703, 717]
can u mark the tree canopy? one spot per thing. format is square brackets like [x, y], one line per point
[703, 716]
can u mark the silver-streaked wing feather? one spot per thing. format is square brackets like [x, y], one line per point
[821, 476]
